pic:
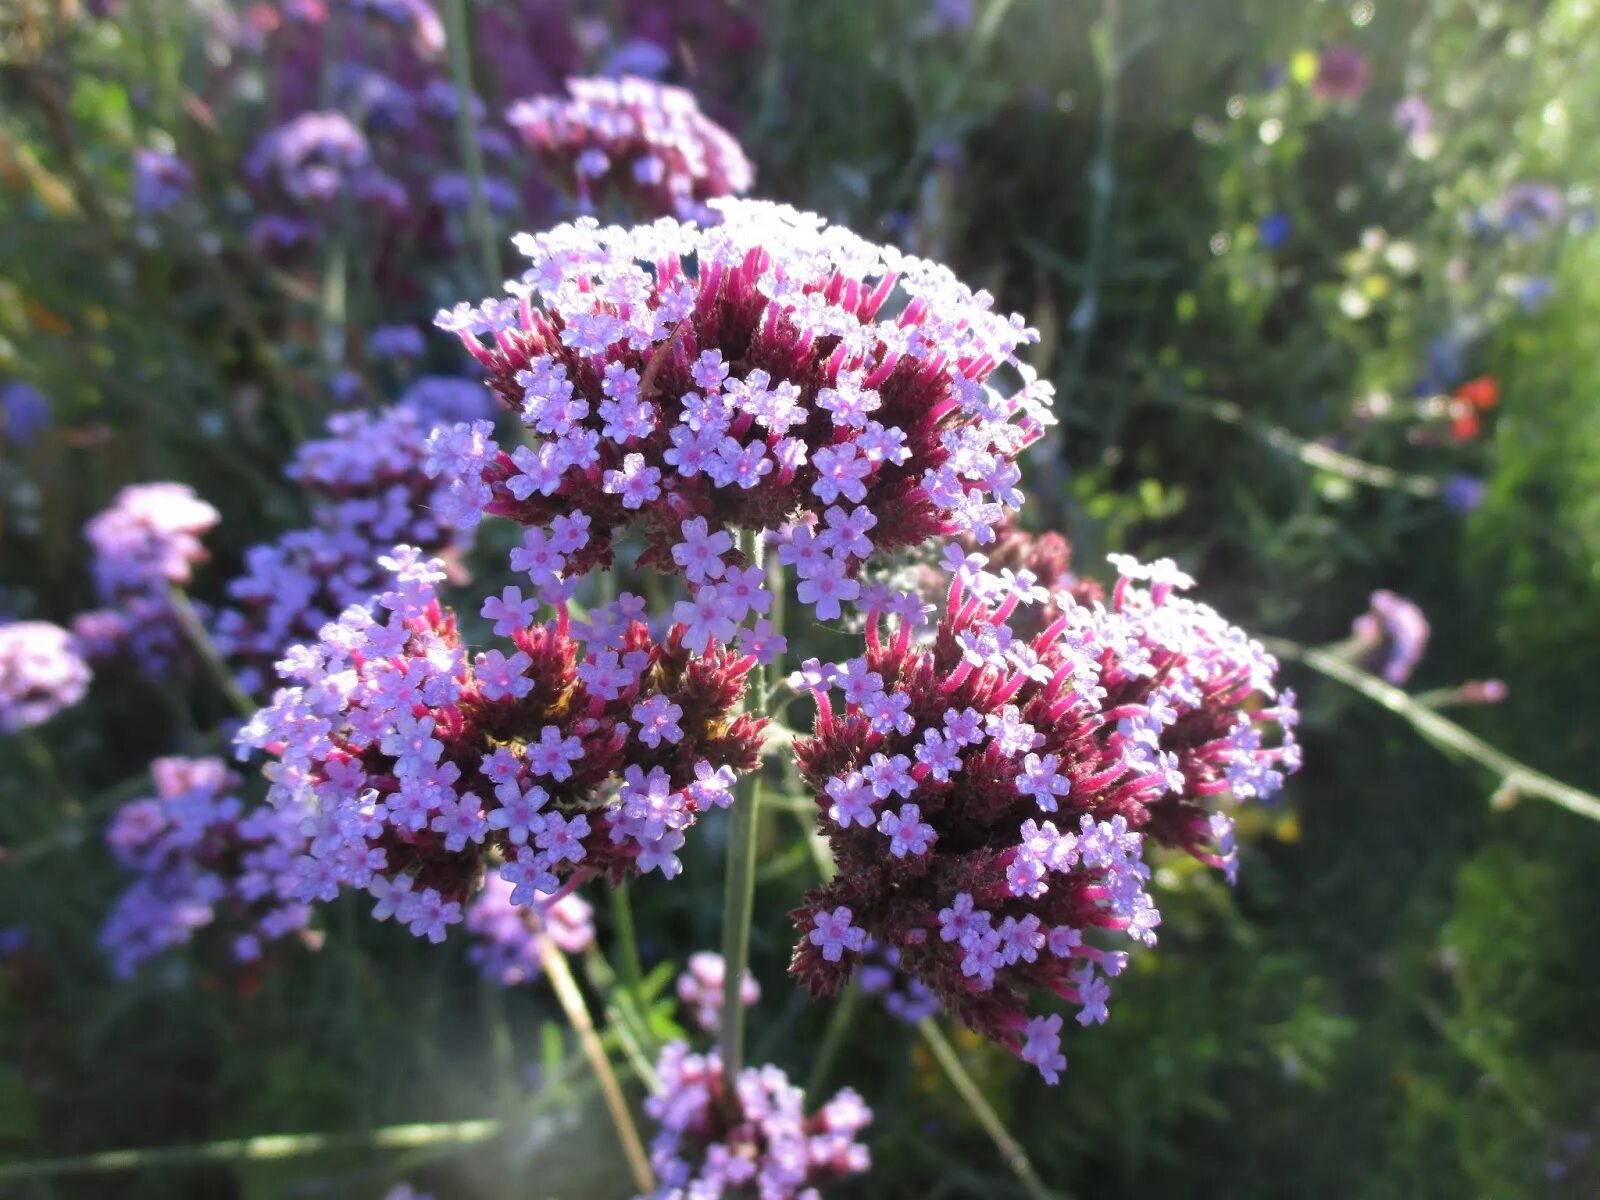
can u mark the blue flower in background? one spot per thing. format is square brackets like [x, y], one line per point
[638, 56]
[1274, 229]
[1444, 366]
[24, 411]
[1534, 292]
[160, 181]
[1463, 493]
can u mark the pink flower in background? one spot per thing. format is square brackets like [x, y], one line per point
[1342, 73]
[42, 671]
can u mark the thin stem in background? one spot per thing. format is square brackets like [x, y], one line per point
[1312, 454]
[479, 227]
[502, 1047]
[571, 1000]
[1010, 1149]
[627, 937]
[195, 631]
[839, 1020]
[630, 997]
[257, 1149]
[1516, 778]
[43, 763]
[738, 898]
[1102, 190]
[332, 297]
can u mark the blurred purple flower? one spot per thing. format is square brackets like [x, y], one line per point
[41, 673]
[1528, 208]
[397, 341]
[1463, 493]
[24, 411]
[637, 56]
[1274, 229]
[700, 989]
[148, 538]
[1396, 629]
[1342, 73]
[160, 181]
[1413, 117]
[505, 937]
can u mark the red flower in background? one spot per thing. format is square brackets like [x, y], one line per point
[1482, 393]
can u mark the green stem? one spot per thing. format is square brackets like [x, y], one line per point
[625, 1020]
[571, 1000]
[1312, 454]
[482, 232]
[1516, 778]
[502, 1047]
[267, 1147]
[839, 1020]
[195, 631]
[738, 902]
[627, 938]
[44, 765]
[1102, 191]
[738, 899]
[966, 1087]
[333, 296]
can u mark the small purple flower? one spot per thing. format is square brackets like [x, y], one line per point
[160, 181]
[700, 988]
[1396, 627]
[750, 1135]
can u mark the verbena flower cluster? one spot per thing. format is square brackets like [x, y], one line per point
[505, 936]
[766, 1146]
[145, 543]
[148, 539]
[632, 142]
[988, 796]
[42, 671]
[198, 854]
[700, 989]
[369, 492]
[682, 384]
[1392, 632]
[558, 760]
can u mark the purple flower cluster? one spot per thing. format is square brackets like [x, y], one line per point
[556, 761]
[366, 114]
[369, 492]
[148, 540]
[903, 995]
[1393, 630]
[505, 936]
[316, 157]
[198, 853]
[700, 989]
[682, 383]
[41, 672]
[988, 795]
[765, 1146]
[631, 142]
